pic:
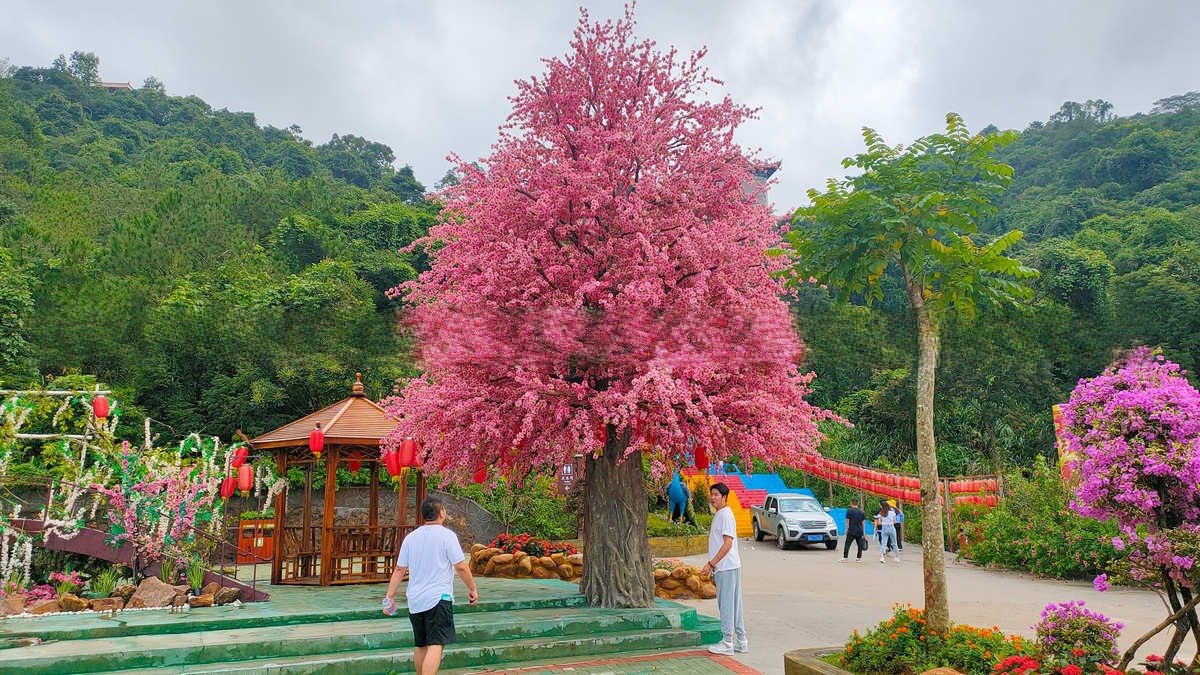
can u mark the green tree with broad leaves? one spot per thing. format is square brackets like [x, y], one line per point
[913, 210]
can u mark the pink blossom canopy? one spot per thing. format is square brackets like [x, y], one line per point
[605, 268]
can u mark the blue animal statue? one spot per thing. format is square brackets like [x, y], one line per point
[677, 497]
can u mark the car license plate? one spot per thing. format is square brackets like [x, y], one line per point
[815, 537]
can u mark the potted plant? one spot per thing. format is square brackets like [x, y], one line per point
[195, 576]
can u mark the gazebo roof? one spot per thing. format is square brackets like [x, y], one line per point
[355, 420]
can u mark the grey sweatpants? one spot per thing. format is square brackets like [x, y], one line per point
[729, 603]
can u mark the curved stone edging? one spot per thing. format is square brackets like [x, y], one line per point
[808, 662]
[666, 547]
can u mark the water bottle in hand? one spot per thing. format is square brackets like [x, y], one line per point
[389, 607]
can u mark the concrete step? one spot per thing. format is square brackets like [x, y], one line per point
[460, 655]
[310, 640]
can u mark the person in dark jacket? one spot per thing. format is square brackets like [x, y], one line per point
[855, 517]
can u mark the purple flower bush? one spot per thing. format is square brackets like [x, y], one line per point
[1069, 627]
[1136, 429]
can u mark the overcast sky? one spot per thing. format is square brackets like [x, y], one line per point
[429, 78]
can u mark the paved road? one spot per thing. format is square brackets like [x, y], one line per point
[808, 598]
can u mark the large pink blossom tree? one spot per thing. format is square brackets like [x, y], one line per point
[599, 285]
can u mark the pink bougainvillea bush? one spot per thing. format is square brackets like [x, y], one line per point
[1136, 429]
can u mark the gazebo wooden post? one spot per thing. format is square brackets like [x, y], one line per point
[420, 496]
[306, 521]
[373, 522]
[402, 506]
[280, 510]
[331, 462]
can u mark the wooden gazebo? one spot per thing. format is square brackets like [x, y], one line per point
[332, 552]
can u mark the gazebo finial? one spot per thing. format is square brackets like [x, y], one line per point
[357, 390]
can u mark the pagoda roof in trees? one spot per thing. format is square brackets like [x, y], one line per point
[355, 420]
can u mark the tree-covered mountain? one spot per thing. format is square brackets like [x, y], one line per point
[220, 273]
[224, 274]
[1110, 208]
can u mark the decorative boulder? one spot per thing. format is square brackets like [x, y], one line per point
[210, 588]
[152, 593]
[12, 604]
[71, 603]
[708, 590]
[124, 592]
[566, 572]
[227, 595]
[541, 572]
[44, 607]
[107, 604]
[205, 600]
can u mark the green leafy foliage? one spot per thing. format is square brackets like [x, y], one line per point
[1033, 529]
[224, 274]
[905, 644]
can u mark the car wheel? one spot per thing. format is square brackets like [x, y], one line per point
[831, 545]
[780, 539]
[758, 534]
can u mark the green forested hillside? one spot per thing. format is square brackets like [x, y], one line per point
[1110, 207]
[220, 273]
[224, 274]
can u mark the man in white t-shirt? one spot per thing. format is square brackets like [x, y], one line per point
[726, 568]
[429, 557]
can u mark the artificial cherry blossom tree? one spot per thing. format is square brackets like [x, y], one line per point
[599, 285]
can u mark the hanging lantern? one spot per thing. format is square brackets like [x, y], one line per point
[480, 474]
[228, 486]
[316, 441]
[239, 456]
[391, 461]
[407, 454]
[701, 457]
[245, 479]
[100, 407]
[354, 463]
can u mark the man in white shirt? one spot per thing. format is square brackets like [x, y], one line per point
[725, 566]
[429, 557]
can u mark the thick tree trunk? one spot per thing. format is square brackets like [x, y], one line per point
[937, 602]
[617, 561]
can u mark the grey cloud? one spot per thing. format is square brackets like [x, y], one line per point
[431, 78]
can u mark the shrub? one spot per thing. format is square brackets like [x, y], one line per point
[660, 525]
[1034, 529]
[903, 644]
[511, 543]
[1069, 627]
[105, 581]
[66, 582]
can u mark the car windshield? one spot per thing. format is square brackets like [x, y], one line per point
[798, 505]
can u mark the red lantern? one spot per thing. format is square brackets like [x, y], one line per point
[316, 441]
[100, 407]
[701, 457]
[391, 461]
[228, 486]
[408, 452]
[239, 456]
[245, 479]
[480, 474]
[354, 463]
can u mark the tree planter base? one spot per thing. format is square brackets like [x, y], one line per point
[808, 662]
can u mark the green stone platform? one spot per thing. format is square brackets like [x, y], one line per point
[341, 630]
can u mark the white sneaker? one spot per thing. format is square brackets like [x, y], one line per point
[897, 558]
[722, 647]
[844, 560]
[742, 647]
[858, 560]
[882, 559]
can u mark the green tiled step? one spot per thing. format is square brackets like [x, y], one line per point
[460, 655]
[159, 622]
[308, 640]
[708, 627]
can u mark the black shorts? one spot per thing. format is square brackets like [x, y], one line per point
[434, 626]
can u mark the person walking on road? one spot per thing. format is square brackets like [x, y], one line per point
[430, 556]
[855, 517]
[725, 566]
[887, 531]
[899, 525]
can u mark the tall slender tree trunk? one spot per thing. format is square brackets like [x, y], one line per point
[617, 562]
[937, 601]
